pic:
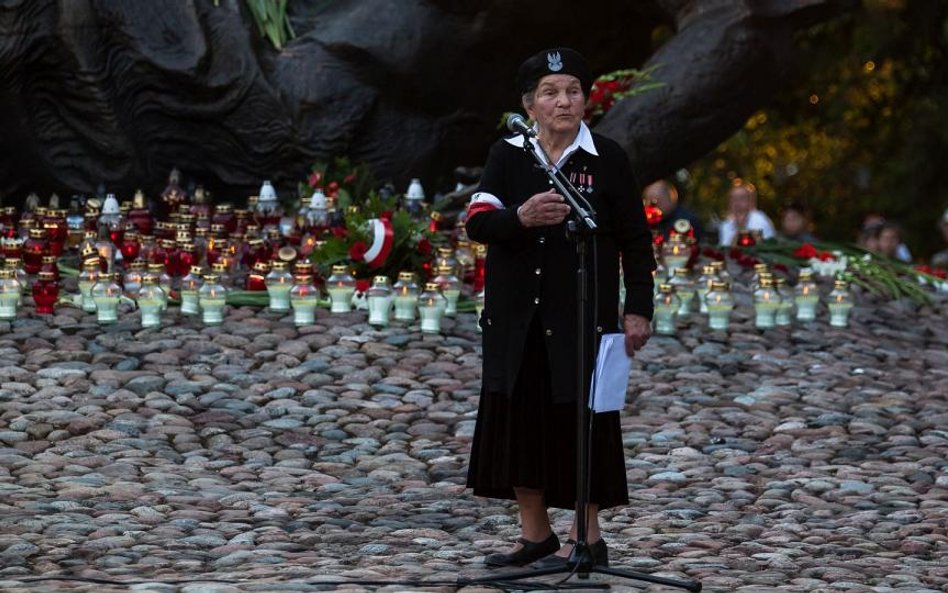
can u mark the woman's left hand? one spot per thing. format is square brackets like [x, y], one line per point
[637, 332]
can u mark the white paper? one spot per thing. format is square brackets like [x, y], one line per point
[610, 378]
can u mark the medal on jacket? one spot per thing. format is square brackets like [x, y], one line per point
[583, 181]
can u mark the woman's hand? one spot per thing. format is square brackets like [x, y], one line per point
[543, 210]
[637, 332]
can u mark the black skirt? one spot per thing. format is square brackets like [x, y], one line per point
[527, 441]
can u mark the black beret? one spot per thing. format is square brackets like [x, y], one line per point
[557, 60]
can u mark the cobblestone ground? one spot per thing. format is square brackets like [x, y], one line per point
[256, 456]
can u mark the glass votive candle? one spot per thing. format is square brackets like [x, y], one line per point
[190, 285]
[840, 303]
[708, 276]
[88, 278]
[806, 296]
[766, 303]
[105, 294]
[785, 312]
[685, 289]
[303, 299]
[406, 297]
[151, 300]
[431, 308]
[10, 294]
[450, 287]
[45, 293]
[341, 286]
[667, 305]
[719, 302]
[379, 298]
[279, 282]
[212, 297]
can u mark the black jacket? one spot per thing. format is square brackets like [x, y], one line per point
[531, 272]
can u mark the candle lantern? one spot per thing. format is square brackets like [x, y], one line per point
[431, 307]
[105, 296]
[759, 270]
[720, 267]
[187, 257]
[224, 218]
[806, 296]
[667, 305]
[12, 247]
[212, 296]
[132, 280]
[766, 303]
[406, 297]
[450, 288]
[840, 302]
[480, 261]
[45, 293]
[379, 297]
[303, 299]
[708, 276]
[131, 246]
[267, 205]
[139, 215]
[106, 250]
[10, 294]
[785, 311]
[445, 257]
[88, 277]
[34, 249]
[719, 301]
[464, 253]
[50, 265]
[190, 286]
[746, 239]
[675, 254]
[111, 222]
[257, 278]
[151, 302]
[25, 227]
[163, 279]
[57, 232]
[341, 286]
[279, 283]
[16, 266]
[685, 289]
[414, 197]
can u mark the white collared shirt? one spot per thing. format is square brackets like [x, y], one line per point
[583, 140]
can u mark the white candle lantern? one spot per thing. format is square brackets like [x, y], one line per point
[719, 302]
[341, 286]
[708, 277]
[380, 297]
[88, 278]
[279, 283]
[807, 296]
[450, 287]
[164, 280]
[303, 298]
[105, 295]
[785, 311]
[431, 307]
[667, 305]
[10, 294]
[190, 286]
[212, 297]
[766, 303]
[132, 281]
[151, 300]
[406, 297]
[684, 288]
[840, 303]
[414, 196]
[675, 254]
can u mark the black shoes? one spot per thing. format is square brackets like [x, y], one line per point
[598, 550]
[530, 552]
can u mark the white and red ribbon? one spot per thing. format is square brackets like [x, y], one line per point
[383, 239]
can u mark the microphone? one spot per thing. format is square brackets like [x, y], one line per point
[518, 125]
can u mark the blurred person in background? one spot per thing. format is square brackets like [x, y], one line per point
[664, 195]
[795, 223]
[743, 215]
[889, 242]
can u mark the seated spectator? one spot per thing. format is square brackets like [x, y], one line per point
[743, 215]
[664, 195]
[940, 259]
[889, 242]
[795, 224]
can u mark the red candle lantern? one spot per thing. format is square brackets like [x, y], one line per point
[33, 251]
[45, 292]
[131, 246]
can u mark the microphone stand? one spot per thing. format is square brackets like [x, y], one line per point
[580, 229]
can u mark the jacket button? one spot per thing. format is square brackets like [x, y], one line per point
[490, 322]
[549, 332]
[536, 301]
[599, 328]
[537, 271]
[542, 240]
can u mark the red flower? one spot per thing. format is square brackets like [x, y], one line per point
[712, 253]
[350, 178]
[805, 251]
[362, 285]
[424, 247]
[340, 232]
[386, 215]
[825, 256]
[315, 179]
[782, 268]
[333, 186]
[357, 251]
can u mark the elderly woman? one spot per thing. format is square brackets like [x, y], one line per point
[524, 440]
